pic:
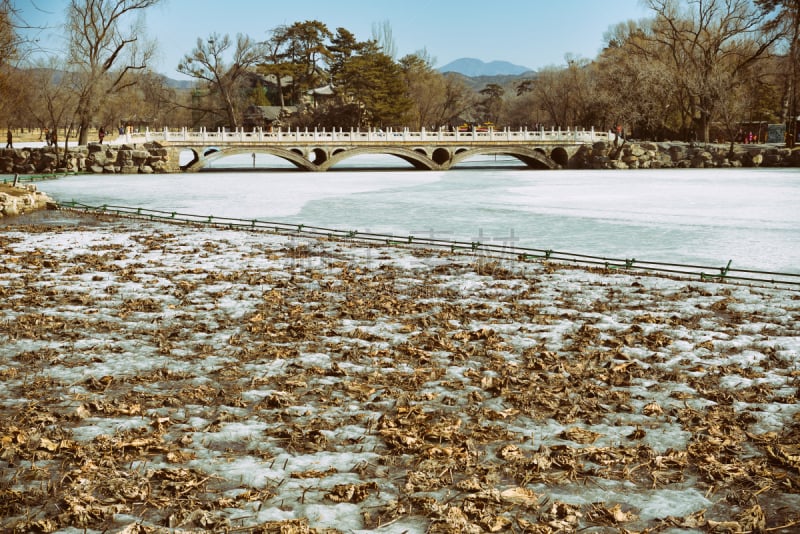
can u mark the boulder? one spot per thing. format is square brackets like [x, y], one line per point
[600, 149]
[25, 168]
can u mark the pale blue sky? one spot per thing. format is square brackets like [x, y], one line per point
[532, 33]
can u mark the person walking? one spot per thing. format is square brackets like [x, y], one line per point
[9, 139]
[101, 133]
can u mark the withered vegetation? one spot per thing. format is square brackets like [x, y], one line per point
[166, 379]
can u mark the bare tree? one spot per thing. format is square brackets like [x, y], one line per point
[51, 100]
[15, 44]
[8, 34]
[207, 63]
[382, 34]
[149, 101]
[706, 48]
[634, 90]
[549, 88]
[784, 15]
[437, 99]
[103, 52]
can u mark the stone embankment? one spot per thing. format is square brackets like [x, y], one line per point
[16, 200]
[667, 155]
[155, 158]
[96, 158]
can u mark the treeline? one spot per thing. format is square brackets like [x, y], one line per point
[694, 69]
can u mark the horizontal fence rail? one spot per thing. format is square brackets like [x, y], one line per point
[702, 272]
[258, 135]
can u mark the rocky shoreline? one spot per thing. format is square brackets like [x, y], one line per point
[18, 200]
[153, 157]
[668, 155]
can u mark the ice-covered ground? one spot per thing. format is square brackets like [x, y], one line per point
[161, 377]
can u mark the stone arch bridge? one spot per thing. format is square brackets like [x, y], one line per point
[425, 150]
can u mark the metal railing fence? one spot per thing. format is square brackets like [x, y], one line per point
[725, 273]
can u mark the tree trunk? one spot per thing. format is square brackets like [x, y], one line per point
[83, 132]
[280, 91]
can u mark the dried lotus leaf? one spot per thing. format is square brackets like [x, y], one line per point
[753, 519]
[353, 493]
[496, 523]
[48, 445]
[580, 435]
[651, 409]
[510, 453]
[519, 495]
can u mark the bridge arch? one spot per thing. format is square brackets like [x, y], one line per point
[418, 160]
[531, 157]
[293, 156]
[560, 156]
[442, 156]
[198, 154]
[320, 156]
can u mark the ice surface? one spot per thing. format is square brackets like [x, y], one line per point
[705, 216]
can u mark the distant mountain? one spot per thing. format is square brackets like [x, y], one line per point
[178, 84]
[475, 67]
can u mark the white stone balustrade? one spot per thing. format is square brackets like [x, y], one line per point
[371, 136]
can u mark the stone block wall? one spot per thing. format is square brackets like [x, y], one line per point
[97, 158]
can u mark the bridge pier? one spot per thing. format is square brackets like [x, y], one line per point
[173, 160]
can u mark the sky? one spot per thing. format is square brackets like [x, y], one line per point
[531, 33]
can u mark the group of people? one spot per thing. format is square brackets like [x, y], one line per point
[49, 137]
[746, 137]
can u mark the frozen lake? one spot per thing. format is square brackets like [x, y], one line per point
[706, 216]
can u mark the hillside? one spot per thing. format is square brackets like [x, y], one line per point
[477, 83]
[475, 67]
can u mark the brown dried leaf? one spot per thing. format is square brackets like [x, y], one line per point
[519, 495]
[353, 493]
[579, 435]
